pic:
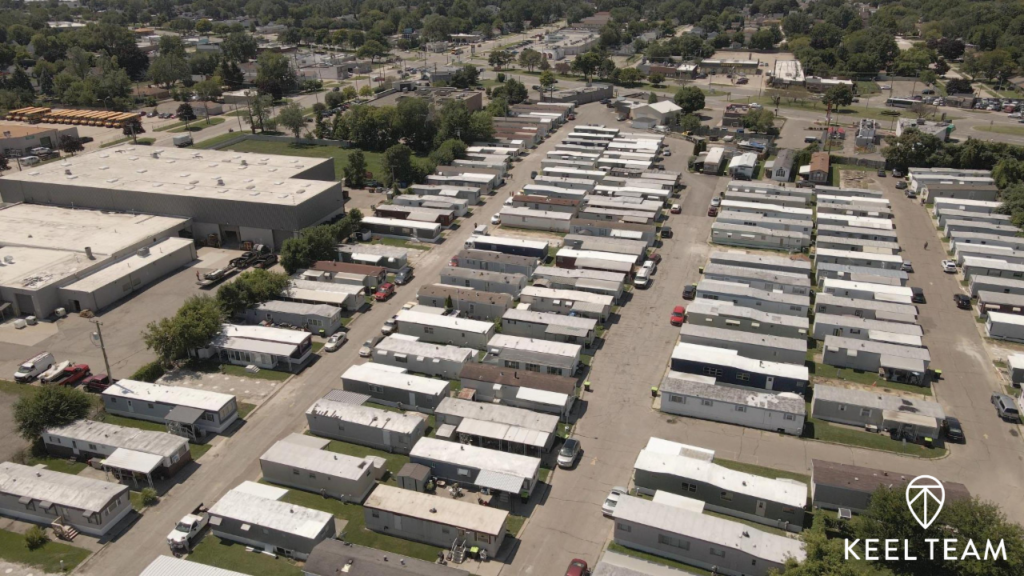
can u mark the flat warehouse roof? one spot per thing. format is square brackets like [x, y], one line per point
[437, 509]
[316, 460]
[272, 514]
[174, 395]
[133, 263]
[208, 174]
[476, 457]
[58, 488]
[390, 377]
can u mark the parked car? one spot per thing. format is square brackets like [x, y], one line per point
[266, 261]
[569, 453]
[667, 152]
[496, 219]
[650, 265]
[73, 375]
[963, 301]
[642, 278]
[690, 292]
[716, 201]
[907, 266]
[577, 568]
[245, 260]
[389, 326]
[384, 291]
[678, 316]
[608, 508]
[918, 295]
[404, 275]
[881, 173]
[656, 257]
[677, 209]
[33, 367]
[666, 231]
[954, 432]
[713, 211]
[901, 185]
[366, 350]
[97, 382]
[897, 173]
[1006, 408]
[335, 341]
[949, 266]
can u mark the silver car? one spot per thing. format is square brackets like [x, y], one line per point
[608, 508]
[335, 341]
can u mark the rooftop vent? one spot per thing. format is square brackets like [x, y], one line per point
[104, 167]
[141, 170]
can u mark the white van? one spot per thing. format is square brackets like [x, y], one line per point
[642, 278]
[33, 367]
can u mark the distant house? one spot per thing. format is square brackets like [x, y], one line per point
[742, 166]
[819, 168]
[782, 166]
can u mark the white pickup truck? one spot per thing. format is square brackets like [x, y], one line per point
[187, 530]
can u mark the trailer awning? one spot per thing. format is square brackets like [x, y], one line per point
[133, 461]
[184, 415]
[499, 481]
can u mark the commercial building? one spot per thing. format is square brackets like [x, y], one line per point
[253, 515]
[700, 540]
[394, 386]
[316, 318]
[787, 73]
[545, 356]
[495, 426]
[549, 326]
[902, 415]
[435, 360]
[301, 462]
[696, 396]
[341, 416]
[434, 520]
[510, 474]
[19, 139]
[585, 304]
[471, 304]
[836, 486]
[441, 329]
[728, 367]
[187, 412]
[78, 259]
[729, 316]
[520, 388]
[776, 502]
[147, 453]
[233, 196]
[48, 498]
[261, 346]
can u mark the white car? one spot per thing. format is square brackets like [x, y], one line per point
[608, 508]
[949, 266]
[508, 201]
[496, 219]
[389, 326]
[907, 266]
[651, 266]
[335, 341]
[716, 201]
[569, 453]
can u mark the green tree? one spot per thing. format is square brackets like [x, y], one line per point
[69, 144]
[349, 93]
[252, 287]
[515, 91]
[35, 538]
[274, 75]
[690, 99]
[547, 80]
[413, 122]
[185, 113]
[239, 47]
[761, 121]
[193, 326]
[586, 64]
[204, 26]
[207, 90]
[448, 152]
[928, 76]
[355, 170]
[168, 70]
[48, 407]
[312, 245]
[657, 79]
[530, 58]
[291, 117]
[499, 59]
[398, 165]
[366, 91]
[763, 39]
[689, 122]
[912, 148]
[230, 73]
[824, 558]
[629, 76]
[839, 95]
[372, 50]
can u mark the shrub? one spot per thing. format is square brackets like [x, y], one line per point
[35, 538]
[149, 373]
[501, 77]
[149, 497]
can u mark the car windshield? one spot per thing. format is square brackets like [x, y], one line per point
[26, 368]
[183, 527]
[368, 343]
[611, 502]
[568, 448]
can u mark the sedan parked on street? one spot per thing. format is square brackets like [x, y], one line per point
[678, 316]
[569, 453]
[608, 508]
[949, 266]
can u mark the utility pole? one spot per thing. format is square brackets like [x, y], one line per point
[99, 338]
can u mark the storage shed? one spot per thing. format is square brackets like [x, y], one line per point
[413, 477]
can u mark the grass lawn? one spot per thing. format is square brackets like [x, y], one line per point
[317, 346]
[819, 430]
[657, 559]
[213, 551]
[244, 409]
[1016, 130]
[866, 378]
[131, 422]
[544, 473]
[865, 88]
[356, 532]
[141, 142]
[193, 125]
[211, 142]
[37, 456]
[263, 374]
[394, 461]
[340, 155]
[46, 558]
[514, 524]
[751, 523]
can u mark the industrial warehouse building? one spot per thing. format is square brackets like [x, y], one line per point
[334, 416]
[393, 386]
[435, 520]
[511, 474]
[83, 259]
[236, 196]
[701, 397]
[495, 426]
[776, 502]
[186, 411]
[301, 462]
[44, 497]
[437, 360]
[252, 514]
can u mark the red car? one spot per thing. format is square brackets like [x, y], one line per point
[384, 291]
[96, 383]
[678, 317]
[72, 374]
[577, 568]
[713, 211]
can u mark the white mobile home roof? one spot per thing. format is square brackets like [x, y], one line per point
[402, 223]
[576, 324]
[723, 308]
[885, 349]
[705, 387]
[171, 566]
[870, 398]
[883, 292]
[725, 533]
[858, 255]
[856, 221]
[742, 289]
[476, 457]
[174, 395]
[890, 307]
[568, 295]
[572, 172]
[56, 487]
[993, 264]
[147, 441]
[437, 509]
[785, 491]
[800, 213]
[755, 260]
[314, 286]
[534, 346]
[596, 255]
[662, 446]
[726, 357]
[297, 308]
[856, 192]
[504, 240]
[414, 347]
[531, 213]
[316, 460]
[399, 378]
[955, 203]
[541, 190]
[398, 422]
[746, 272]
[868, 324]
[266, 513]
[499, 413]
[441, 321]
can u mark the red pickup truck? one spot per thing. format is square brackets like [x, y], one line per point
[72, 375]
[384, 291]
